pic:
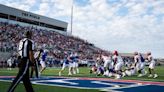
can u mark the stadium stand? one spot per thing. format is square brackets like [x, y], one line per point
[56, 43]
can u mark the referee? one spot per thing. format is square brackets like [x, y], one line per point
[26, 47]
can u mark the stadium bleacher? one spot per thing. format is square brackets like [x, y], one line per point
[56, 43]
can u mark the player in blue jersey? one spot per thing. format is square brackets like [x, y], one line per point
[99, 65]
[75, 63]
[43, 61]
[142, 66]
[65, 64]
[71, 60]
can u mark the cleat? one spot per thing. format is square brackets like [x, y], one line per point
[155, 76]
[140, 75]
[110, 75]
[39, 74]
[59, 73]
[145, 72]
[150, 75]
[123, 74]
[69, 73]
[118, 77]
[74, 72]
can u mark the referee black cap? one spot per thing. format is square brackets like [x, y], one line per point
[41, 50]
[28, 34]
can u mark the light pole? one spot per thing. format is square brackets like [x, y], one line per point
[72, 16]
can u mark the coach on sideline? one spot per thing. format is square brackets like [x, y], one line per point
[26, 47]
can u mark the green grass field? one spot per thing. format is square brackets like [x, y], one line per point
[84, 72]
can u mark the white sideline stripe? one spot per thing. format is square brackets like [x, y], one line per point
[20, 76]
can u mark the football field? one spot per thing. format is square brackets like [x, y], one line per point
[84, 82]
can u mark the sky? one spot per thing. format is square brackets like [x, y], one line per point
[123, 25]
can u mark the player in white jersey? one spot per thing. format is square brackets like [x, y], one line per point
[137, 61]
[151, 65]
[129, 71]
[108, 63]
[9, 63]
[118, 63]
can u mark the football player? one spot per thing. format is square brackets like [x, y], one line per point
[75, 63]
[99, 65]
[65, 64]
[9, 63]
[71, 59]
[35, 65]
[43, 61]
[137, 63]
[118, 63]
[129, 71]
[108, 63]
[142, 66]
[151, 65]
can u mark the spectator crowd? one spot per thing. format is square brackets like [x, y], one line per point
[56, 43]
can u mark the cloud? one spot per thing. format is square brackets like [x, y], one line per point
[135, 31]
[20, 4]
[44, 8]
[125, 25]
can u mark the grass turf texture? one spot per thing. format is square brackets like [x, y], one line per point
[84, 72]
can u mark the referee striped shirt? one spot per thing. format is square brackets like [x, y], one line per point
[25, 45]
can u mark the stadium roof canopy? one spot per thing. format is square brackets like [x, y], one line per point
[14, 14]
